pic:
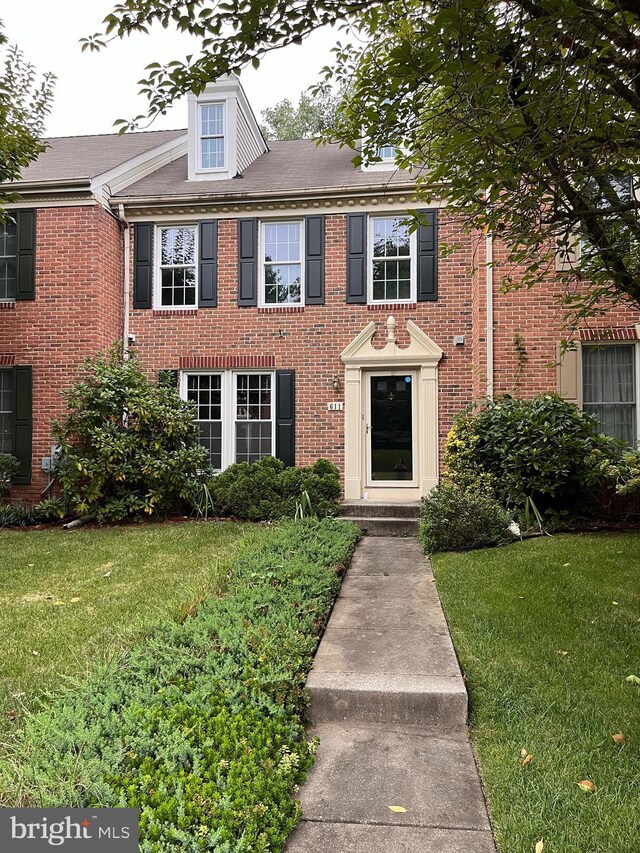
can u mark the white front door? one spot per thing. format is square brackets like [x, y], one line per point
[390, 430]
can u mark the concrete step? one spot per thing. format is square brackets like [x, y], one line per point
[387, 526]
[386, 656]
[362, 770]
[439, 704]
[380, 509]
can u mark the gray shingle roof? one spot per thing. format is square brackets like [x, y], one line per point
[288, 166]
[69, 157]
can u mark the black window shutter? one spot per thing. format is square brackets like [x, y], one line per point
[22, 423]
[285, 416]
[26, 260]
[143, 264]
[208, 247]
[314, 251]
[247, 262]
[427, 256]
[169, 378]
[357, 257]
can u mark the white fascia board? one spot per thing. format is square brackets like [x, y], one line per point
[115, 180]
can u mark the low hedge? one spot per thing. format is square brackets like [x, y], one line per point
[459, 518]
[201, 726]
[267, 491]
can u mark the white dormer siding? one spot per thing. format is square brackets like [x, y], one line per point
[224, 137]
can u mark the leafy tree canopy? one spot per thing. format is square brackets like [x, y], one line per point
[313, 116]
[526, 113]
[24, 104]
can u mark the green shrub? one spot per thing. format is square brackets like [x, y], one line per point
[9, 466]
[129, 446]
[199, 727]
[26, 515]
[266, 491]
[457, 518]
[614, 483]
[532, 448]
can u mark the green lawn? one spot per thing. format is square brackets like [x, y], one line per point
[70, 599]
[514, 612]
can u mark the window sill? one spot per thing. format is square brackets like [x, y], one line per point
[7, 304]
[280, 309]
[396, 306]
[174, 312]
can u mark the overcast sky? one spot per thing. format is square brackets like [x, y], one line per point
[94, 89]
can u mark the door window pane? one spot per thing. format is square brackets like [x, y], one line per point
[391, 427]
[609, 389]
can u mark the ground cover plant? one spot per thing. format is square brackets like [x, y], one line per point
[546, 631]
[201, 725]
[72, 599]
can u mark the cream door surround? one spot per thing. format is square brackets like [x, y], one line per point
[360, 357]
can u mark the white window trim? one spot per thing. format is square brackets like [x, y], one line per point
[225, 135]
[413, 257]
[229, 386]
[157, 267]
[601, 345]
[262, 262]
[4, 257]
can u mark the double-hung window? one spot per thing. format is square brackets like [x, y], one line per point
[212, 142]
[8, 256]
[610, 388]
[177, 267]
[392, 273]
[234, 411]
[387, 153]
[282, 268]
[6, 411]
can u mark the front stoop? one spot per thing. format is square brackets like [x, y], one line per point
[379, 518]
[389, 705]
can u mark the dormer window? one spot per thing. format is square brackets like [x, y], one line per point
[387, 153]
[224, 137]
[212, 136]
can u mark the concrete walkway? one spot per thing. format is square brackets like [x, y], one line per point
[390, 707]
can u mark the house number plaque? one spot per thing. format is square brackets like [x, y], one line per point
[336, 407]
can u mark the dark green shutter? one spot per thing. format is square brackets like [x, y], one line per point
[208, 250]
[427, 256]
[285, 416]
[247, 262]
[22, 423]
[357, 257]
[314, 252]
[143, 264]
[26, 260]
[169, 378]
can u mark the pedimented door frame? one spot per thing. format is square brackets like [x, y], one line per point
[360, 359]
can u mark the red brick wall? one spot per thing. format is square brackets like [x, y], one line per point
[310, 340]
[77, 311]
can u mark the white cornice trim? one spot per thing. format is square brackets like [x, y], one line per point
[115, 180]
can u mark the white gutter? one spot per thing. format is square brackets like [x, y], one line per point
[125, 282]
[489, 297]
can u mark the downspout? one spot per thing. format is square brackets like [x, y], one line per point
[125, 283]
[489, 296]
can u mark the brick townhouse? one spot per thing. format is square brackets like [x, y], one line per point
[277, 285]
